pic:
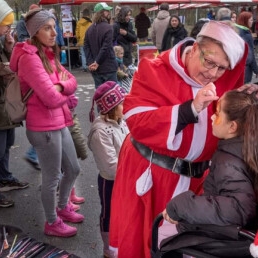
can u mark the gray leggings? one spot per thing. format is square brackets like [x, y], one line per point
[55, 150]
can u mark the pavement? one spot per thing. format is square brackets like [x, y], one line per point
[27, 213]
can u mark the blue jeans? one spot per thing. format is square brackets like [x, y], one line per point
[6, 141]
[31, 154]
[83, 58]
[100, 78]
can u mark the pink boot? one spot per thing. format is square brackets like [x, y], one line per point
[76, 199]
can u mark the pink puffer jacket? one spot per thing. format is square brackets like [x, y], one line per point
[47, 108]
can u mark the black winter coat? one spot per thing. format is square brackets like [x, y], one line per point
[142, 24]
[125, 41]
[172, 36]
[228, 198]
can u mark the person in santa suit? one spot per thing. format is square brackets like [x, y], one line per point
[170, 143]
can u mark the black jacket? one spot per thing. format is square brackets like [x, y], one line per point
[125, 41]
[98, 46]
[172, 36]
[228, 198]
[142, 24]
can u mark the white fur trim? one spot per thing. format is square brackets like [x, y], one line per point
[183, 185]
[228, 37]
[254, 250]
[144, 182]
[138, 110]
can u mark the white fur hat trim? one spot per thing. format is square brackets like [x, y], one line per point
[233, 44]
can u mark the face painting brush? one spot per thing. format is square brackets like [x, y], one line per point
[6, 245]
[34, 248]
[11, 250]
[40, 249]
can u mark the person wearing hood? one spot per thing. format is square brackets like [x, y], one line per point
[7, 127]
[244, 24]
[81, 27]
[159, 25]
[48, 116]
[174, 33]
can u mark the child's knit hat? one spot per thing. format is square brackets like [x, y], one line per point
[107, 96]
[6, 14]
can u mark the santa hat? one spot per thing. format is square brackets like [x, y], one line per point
[107, 96]
[254, 247]
[226, 35]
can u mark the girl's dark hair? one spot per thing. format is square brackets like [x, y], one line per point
[123, 13]
[197, 28]
[34, 41]
[174, 16]
[112, 114]
[243, 109]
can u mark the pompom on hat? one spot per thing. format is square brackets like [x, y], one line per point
[107, 96]
[37, 18]
[254, 247]
[233, 45]
[6, 14]
[33, 6]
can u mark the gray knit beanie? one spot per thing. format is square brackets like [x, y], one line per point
[5, 9]
[35, 21]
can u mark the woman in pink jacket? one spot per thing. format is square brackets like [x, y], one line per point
[48, 117]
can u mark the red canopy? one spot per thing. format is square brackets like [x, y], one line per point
[43, 2]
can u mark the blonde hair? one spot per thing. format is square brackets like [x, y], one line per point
[118, 49]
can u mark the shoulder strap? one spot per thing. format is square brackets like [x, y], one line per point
[27, 95]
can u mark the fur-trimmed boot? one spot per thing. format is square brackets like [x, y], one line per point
[76, 199]
[106, 252]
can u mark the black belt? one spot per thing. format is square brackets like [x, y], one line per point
[176, 165]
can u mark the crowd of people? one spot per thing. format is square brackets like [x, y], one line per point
[182, 138]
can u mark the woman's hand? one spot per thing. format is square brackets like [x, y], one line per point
[63, 76]
[167, 218]
[123, 32]
[204, 97]
[250, 88]
[93, 67]
[58, 87]
[9, 42]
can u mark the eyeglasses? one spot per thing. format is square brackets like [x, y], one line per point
[8, 27]
[210, 64]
